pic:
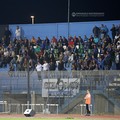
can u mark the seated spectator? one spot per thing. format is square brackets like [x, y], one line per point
[74, 68]
[95, 51]
[54, 41]
[31, 65]
[2, 63]
[60, 42]
[42, 45]
[46, 56]
[39, 41]
[117, 60]
[117, 36]
[47, 43]
[85, 39]
[52, 57]
[108, 39]
[96, 40]
[11, 69]
[70, 59]
[92, 65]
[26, 43]
[86, 45]
[100, 63]
[75, 41]
[33, 41]
[37, 48]
[85, 65]
[118, 45]
[56, 53]
[25, 64]
[71, 45]
[60, 49]
[65, 59]
[107, 61]
[65, 41]
[81, 49]
[80, 40]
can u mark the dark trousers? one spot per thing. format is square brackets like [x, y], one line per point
[88, 109]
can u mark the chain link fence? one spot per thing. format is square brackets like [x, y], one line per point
[59, 91]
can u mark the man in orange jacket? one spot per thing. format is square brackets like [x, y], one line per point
[88, 102]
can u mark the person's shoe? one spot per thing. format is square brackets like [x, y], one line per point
[87, 115]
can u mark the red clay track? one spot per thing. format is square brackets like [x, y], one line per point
[58, 116]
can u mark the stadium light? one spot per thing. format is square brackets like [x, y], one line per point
[33, 19]
[68, 18]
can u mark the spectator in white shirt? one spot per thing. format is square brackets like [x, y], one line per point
[18, 33]
[45, 66]
[39, 69]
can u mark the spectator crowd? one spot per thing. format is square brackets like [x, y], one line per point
[96, 52]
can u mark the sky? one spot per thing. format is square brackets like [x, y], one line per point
[52, 11]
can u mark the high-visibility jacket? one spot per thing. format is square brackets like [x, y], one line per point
[87, 98]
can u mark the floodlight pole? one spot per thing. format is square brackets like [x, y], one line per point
[33, 19]
[28, 85]
[68, 17]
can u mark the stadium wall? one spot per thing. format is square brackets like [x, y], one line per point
[60, 29]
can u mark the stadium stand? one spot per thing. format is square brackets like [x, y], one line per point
[89, 62]
[98, 52]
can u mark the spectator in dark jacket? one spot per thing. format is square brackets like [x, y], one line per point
[61, 65]
[7, 35]
[96, 31]
[52, 66]
[113, 30]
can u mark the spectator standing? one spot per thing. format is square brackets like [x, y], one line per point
[96, 31]
[113, 30]
[102, 31]
[52, 66]
[45, 69]
[61, 65]
[7, 35]
[45, 66]
[39, 69]
[88, 102]
[18, 33]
